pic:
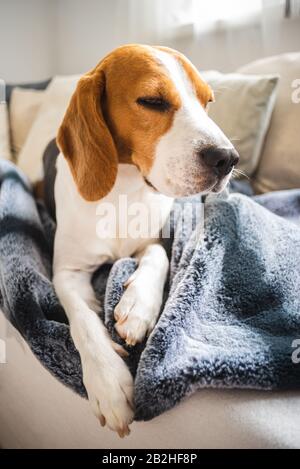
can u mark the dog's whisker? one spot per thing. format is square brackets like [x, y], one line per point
[240, 173]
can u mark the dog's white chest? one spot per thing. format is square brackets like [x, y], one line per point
[119, 225]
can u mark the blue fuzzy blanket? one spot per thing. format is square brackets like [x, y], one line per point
[232, 304]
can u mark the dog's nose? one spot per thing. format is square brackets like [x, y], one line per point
[221, 160]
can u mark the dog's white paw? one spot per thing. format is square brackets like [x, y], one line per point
[137, 311]
[109, 385]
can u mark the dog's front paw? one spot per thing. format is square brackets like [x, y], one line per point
[109, 385]
[137, 311]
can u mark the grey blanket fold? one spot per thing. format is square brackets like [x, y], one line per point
[232, 304]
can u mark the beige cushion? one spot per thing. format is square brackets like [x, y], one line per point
[23, 109]
[46, 124]
[4, 133]
[279, 166]
[243, 108]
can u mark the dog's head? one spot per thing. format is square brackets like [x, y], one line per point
[145, 106]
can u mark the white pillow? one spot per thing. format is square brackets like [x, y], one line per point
[5, 151]
[279, 166]
[243, 108]
[46, 124]
[23, 109]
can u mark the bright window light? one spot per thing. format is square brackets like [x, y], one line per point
[211, 14]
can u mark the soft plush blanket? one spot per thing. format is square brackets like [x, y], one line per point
[232, 304]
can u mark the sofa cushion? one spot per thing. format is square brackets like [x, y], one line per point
[279, 166]
[36, 85]
[243, 108]
[4, 133]
[24, 106]
[46, 124]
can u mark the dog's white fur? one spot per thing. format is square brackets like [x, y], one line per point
[175, 164]
[79, 252]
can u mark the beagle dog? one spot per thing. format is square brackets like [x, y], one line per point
[136, 126]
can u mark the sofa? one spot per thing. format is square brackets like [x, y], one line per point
[36, 410]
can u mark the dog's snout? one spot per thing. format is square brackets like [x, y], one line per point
[220, 160]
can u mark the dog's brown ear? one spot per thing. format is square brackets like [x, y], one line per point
[86, 141]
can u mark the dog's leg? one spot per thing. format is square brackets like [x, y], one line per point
[138, 309]
[107, 379]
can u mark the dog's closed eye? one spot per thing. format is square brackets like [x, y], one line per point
[154, 103]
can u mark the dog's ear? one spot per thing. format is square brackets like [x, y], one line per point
[86, 141]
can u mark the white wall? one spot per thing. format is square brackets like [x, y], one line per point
[41, 38]
[91, 28]
[226, 51]
[87, 30]
[27, 39]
